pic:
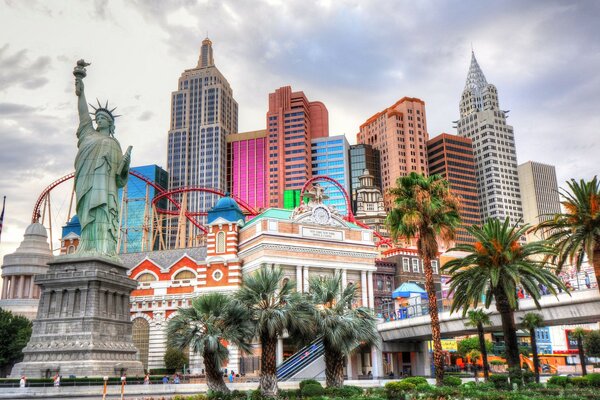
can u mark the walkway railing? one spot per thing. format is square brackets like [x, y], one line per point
[301, 359]
[443, 305]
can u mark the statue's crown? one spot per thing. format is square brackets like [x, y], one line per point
[105, 110]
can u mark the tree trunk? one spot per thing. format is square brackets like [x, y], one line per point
[438, 356]
[596, 262]
[214, 375]
[334, 368]
[581, 355]
[268, 366]
[536, 358]
[511, 343]
[483, 349]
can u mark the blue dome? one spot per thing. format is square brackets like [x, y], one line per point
[73, 226]
[227, 209]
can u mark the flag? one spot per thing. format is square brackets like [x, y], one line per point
[2, 215]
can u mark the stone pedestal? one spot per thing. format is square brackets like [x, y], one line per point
[82, 326]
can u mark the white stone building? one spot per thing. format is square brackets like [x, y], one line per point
[482, 121]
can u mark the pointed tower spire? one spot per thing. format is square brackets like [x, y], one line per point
[206, 54]
[475, 79]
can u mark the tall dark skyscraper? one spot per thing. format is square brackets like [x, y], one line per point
[203, 113]
[363, 156]
[452, 157]
[482, 121]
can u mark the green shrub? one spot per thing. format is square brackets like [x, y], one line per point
[395, 390]
[579, 381]
[256, 395]
[375, 392]
[197, 397]
[175, 359]
[308, 382]
[497, 362]
[344, 391]
[424, 387]
[452, 381]
[415, 380]
[528, 376]
[593, 379]
[312, 390]
[290, 394]
[500, 381]
[562, 381]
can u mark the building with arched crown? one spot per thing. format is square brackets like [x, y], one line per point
[311, 240]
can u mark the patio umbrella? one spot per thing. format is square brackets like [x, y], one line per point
[409, 289]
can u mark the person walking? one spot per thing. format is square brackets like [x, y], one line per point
[588, 283]
[23, 381]
[147, 379]
[231, 376]
[56, 380]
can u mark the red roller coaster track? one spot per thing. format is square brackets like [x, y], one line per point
[162, 193]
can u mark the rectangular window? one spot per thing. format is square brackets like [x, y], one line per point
[415, 265]
[405, 265]
[434, 266]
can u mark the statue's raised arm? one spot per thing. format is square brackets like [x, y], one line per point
[82, 106]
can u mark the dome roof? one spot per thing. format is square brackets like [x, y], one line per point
[227, 209]
[36, 229]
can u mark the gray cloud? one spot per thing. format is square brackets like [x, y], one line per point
[145, 116]
[18, 69]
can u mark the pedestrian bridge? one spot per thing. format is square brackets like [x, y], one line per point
[582, 306]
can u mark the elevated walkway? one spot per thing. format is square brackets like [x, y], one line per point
[581, 306]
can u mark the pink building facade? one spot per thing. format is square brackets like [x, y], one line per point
[292, 122]
[246, 167]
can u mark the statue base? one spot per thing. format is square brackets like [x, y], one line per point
[83, 325]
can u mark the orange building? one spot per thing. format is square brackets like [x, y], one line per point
[400, 134]
[292, 122]
[452, 157]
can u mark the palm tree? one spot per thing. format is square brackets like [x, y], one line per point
[425, 209]
[495, 266]
[479, 319]
[213, 320]
[342, 327]
[579, 334]
[576, 231]
[531, 321]
[275, 307]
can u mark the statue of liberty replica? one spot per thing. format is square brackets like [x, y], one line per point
[100, 170]
[83, 324]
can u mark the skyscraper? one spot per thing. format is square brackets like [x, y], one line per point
[539, 193]
[292, 122]
[246, 170]
[203, 113]
[138, 227]
[330, 158]
[400, 134]
[482, 121]
[452, 157]
[363, 157]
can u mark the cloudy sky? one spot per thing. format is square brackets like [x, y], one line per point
[357, 57]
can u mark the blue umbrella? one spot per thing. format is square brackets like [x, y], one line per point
[407, 289]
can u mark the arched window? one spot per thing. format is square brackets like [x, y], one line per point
[141, 339]
[71, 249]
[146, 277]
[184, 275]
[221, 242]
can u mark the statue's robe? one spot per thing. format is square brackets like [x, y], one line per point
[97, 180]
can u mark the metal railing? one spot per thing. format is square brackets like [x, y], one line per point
[300, 359]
